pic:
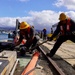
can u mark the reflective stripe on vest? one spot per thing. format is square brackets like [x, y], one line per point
[68, 24]
[62, 31]
[67, 28]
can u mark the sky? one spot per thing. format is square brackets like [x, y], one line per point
[38, 13]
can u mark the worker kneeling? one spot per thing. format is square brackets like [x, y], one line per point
[27, 33]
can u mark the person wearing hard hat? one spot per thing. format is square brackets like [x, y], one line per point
[28, 33]
[66, 29]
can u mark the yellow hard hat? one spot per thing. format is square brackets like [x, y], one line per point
[24, 25]
[62, 17]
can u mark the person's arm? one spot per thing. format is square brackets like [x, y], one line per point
[19, 41]
[56, 32]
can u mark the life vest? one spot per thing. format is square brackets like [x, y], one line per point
[67, 27]
[24, 41]
[28, 29]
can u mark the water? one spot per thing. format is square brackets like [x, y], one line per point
[4, 36]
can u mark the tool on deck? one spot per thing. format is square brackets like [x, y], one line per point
[32, 49]
[38, 45]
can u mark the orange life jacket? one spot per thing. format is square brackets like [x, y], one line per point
[24, 41]
[28, 29]
[67, 27]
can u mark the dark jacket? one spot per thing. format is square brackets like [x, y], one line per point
[58, 30]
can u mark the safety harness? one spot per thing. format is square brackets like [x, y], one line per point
[67, 27]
